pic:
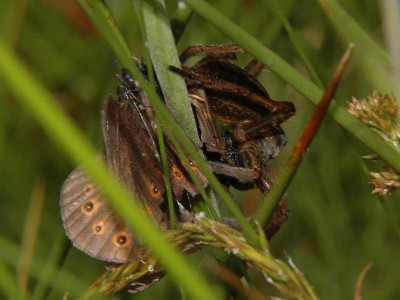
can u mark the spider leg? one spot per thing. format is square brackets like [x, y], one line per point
[286, 108]
[213, 52]
[234, 172]
[254, 67]
[209, 132]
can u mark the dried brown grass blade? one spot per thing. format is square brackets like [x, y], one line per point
[360, 279]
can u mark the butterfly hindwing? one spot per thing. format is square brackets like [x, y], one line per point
[91, 225]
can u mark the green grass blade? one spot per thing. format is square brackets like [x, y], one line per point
[295, 41]
[166, 172]
[374, 61]
[161, 47]
[8, 285]
[109, 28]
[160, 134]
[65, 282]
[30, 234]
[43, 108]
[57, 256]
[391, 23]
[180, 20]
[352, 32]
[304, 86]
[163, 53]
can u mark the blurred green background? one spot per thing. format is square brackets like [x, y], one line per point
[336, 226]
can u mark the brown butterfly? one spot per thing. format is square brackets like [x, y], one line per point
[132, 155]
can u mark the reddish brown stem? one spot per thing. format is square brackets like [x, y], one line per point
[321, 109]
[273, 197]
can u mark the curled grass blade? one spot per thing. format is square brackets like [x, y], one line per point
[360, 279]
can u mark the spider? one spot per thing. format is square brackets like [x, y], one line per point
[223, 92]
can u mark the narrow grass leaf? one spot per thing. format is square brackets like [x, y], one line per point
[9, 252]
[161, 44]
[8, 285]
[295, 41]
[373, 59]
[53, 263]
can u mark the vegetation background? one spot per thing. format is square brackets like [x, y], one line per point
[336, 226]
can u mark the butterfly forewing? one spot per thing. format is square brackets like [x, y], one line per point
[132, 156]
